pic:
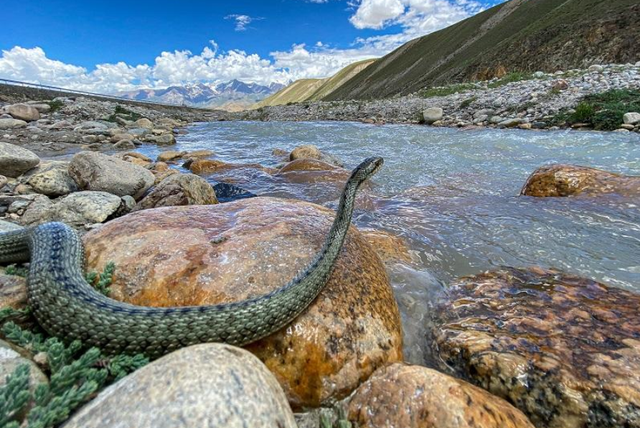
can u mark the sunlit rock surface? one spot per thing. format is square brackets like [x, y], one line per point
[201, 255]
[565, 350]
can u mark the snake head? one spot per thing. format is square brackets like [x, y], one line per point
[366, 169]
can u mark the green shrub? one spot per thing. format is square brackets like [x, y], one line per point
[603, 111]
[443, 91]
[55, 105]
[74, 377]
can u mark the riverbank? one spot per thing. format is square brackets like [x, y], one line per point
[527, 101]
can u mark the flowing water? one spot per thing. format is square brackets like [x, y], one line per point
[453, 195]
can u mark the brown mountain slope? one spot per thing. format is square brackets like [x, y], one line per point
[519, 35]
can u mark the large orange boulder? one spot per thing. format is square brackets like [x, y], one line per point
[571, 180]
[563, 349]
[417, 397]
[203, 255]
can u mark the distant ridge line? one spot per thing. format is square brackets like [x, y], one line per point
[91, 94]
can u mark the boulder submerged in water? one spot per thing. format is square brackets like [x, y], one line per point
[571, 180]
[565, 350]
[204, 255]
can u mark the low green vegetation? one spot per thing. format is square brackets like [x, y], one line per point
[466, 103]
[341, 420]
[55, 105]
[443, 91]
[603, 111]
[75, 372]
[123, 113]
[510, 78]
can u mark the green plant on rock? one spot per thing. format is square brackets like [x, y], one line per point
[55, 105]
[466, 103]
[102, 281]
[16, 270]
[341, 420]
[74, 377]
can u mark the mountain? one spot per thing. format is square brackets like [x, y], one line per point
[314, 89]
[299, 90]
[234, 93]
[519, 35]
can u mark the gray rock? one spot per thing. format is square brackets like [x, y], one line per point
[14, 160]
[76, 209]
[138, 132]
[22, 112]
[596, 68]
[52, 179]
[124, 145]
[96, 171]
[495, 119]
[432, 115]
[3, 181]
[538, 74]
[12, 123]
[632, 118]
[144, 123]
[162, 140]
[90, 139]
[208, 385]
[179, 189]
[6, 226]
[41, 107]
[35, 208]
[510, 123]
[121, 136]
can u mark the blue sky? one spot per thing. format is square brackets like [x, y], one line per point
[111, 46]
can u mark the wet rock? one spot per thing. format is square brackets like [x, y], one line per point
[10, 360]
[390, 248]
[226, 192]
[199, 255]
[571, 180]
[208, 385]
[307, 165]
[511, 123]
[170, 155]
[417, 397]
[432, 115]
[197, 154]
[162, 140]
[179, 189]
[15, 161]
[52, 179]
[22, 112]
[565, 350]
[76, 209]
[99, 172]
[310, 151]
[134, 158]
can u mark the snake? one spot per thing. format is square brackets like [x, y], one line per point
[68, 307]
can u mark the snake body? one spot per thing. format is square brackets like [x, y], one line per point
[66, 306]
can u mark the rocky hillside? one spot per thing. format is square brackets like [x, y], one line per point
[315, 89]
[519, 35]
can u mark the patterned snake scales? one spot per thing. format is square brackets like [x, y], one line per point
[66, 306]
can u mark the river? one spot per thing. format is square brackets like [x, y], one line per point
[453, 195]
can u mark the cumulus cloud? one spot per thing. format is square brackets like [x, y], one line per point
[414, 18]
[242, 21]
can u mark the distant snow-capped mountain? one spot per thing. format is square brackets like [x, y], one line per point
[207, 95]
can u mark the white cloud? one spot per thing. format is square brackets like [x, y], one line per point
[242, 21]
[414, 17]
